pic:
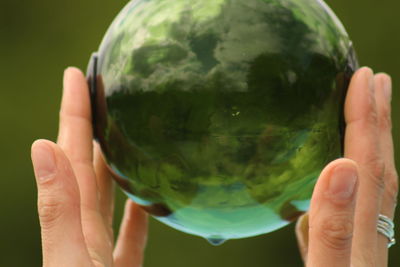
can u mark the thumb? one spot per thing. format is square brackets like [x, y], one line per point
[332, 215]
[63, 242]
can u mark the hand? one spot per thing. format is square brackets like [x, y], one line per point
[75, 193]
[341, 228]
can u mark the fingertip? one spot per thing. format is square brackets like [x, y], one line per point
[41, 145]
[383, 76]
[384, 81]
[52, 147]
[44, 160]
[337, 183]
[342, 183]
[302, 235]
[135, 222]
[338, 163]
[41, 142]
[360, 100]
[344, 162]
[366, 74]
[302, 230]
[72, 71]
[75, 97]
[72, 74]
[364, 71]
[133, 211]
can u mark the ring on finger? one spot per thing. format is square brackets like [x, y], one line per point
[385, 227]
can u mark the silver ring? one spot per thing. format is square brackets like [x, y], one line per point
[386, 227]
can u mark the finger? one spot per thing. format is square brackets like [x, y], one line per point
[383, 88]
[331, 215]
[362, 145]
[302, 236]
[132, 237]
[75, 134]
[383, 95]
[59, 207]
[105, 186]
[75, 138]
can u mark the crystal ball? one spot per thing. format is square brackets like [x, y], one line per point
[217, 116]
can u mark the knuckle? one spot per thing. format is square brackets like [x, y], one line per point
[371, 113]
[367, 258]
[385, 120]
[97, 262]
[337, 232]
[50, 210]
[392, 185]
[376, 168]
[369, 117]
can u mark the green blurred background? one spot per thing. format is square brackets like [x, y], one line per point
[39, 39]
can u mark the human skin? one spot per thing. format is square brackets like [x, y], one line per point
[75, 188]
[337, 233]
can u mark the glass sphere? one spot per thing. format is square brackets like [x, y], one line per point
[217, 116]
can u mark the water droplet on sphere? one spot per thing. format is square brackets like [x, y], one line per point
[216, 241]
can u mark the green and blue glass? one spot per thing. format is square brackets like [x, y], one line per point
[217, 116]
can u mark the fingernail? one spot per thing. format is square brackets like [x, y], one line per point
[343, 182]
[66, 70]
[387, 89]
[67, 73]
[43, 160]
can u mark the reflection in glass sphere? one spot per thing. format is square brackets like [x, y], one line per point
[217, 116]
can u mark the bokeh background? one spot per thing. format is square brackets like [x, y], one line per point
[39, 39]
